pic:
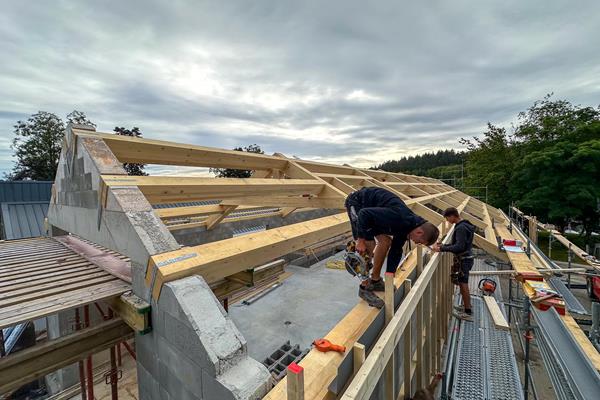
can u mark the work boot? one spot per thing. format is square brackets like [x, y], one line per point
[370, 297]
[375, 286]
[463, 315]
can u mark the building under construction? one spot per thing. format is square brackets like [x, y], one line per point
[216, 288]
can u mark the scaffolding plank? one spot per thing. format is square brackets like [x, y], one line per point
[497, 316]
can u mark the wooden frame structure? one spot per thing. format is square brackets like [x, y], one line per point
[278, 186]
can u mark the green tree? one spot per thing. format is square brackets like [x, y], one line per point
[237, 173]
[560, 182]
[131, 169]
[549, 166]
[551, 119]
[422, 164]
[490, 161]
[37, 145]
[79, 117]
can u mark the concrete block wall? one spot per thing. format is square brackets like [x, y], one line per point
[195, 351]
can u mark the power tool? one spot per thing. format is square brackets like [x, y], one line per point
[357, 264]
[487, 286]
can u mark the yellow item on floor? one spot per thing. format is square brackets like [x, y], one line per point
[335, 264]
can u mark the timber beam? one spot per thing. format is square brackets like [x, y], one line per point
[34, 362]
[133, 310]
[167, 189]
[217, 260]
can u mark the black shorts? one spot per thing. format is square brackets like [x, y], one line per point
[465, 267]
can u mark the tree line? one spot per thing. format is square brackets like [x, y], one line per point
[547, 164]
[38, 142]
[423, 164]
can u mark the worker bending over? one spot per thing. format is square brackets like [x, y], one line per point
[461, 245]
[381, 224]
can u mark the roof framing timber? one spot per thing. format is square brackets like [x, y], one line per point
[278, 182]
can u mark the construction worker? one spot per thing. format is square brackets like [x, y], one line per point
[381, 224]
[461, 245]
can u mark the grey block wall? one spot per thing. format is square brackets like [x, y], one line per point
[195, 351]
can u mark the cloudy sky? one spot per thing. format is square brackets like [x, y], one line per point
[338, 81]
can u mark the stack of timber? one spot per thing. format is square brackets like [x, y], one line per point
[318, 251]
[250, 283]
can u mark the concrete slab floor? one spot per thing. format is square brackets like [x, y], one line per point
[305, 307]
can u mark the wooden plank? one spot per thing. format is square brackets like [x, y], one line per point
[541, 270]
[489, 247]
[214, 220]
[533, 230]
[20, 262]
[289, 201]
[359, 353]
[389, 296]
[342, 185]
[584, 342]
[228, 219]
[167, 189]
[34, 362]
[10, 276]
[287, 211]
[489, 229]
[217, 260]
[7, 278]
[497, 316]
[6, 301]
[38, 308]
[407, 351]
[519, 261]
[419, 259]
[390, 390]
[47, 277]
[38, 287]
[148, 151]
[295, 387]
[133, 310]
[424, 199]
[197, 211]
[399, 193]
[442, 204]
[419, 359]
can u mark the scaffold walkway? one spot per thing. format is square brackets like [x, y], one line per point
[484, 363]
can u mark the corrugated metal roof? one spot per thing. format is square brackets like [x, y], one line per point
[25, 191]
[23, 219]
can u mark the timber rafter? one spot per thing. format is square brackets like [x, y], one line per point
[280, 186]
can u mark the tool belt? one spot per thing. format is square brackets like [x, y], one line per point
[456, 271]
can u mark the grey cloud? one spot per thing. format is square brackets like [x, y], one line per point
[281, 74]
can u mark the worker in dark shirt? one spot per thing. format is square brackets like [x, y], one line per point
[460, 246]
[381, 224]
